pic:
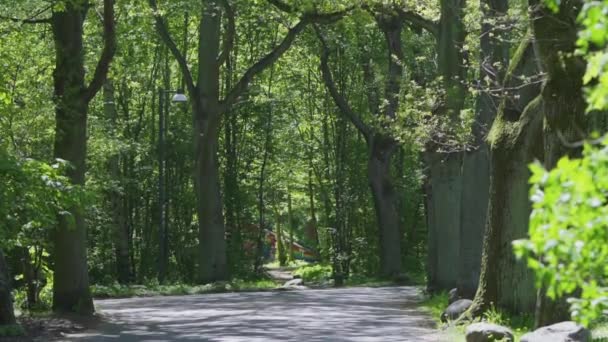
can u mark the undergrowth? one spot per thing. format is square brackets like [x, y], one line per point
[437, 303]
[322, 274]
[314, 273]
[122, 291]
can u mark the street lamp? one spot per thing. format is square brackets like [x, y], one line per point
[163, 242]
[179, 97]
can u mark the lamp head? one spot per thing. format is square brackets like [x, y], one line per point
[179, 97]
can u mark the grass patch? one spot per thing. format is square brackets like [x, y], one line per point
[322, 273]
[125, 291]
[520, 324]
[436, 304]
[600, 332]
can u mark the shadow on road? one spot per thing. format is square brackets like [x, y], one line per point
[353, 314]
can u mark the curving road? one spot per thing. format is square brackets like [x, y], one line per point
[347, 314]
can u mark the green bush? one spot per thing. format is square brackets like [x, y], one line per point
[314, 273]
[568, 244]
[568, 237]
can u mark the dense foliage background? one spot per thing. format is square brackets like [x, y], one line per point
[390, 138]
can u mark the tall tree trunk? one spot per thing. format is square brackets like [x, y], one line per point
[312, 226]
[231, 179]
[291, 225]
[432, 253]
[281, 255]
[262, 179]
[116, 198]
[385, 201]
[494, 59]
[515, 140]
[212, 260]
[563, 107]
[71, 279]
[312, 233]
[444, 201]
[261, 205]
[7, 315]
[340, 254]
[212, 243]
[445, 185]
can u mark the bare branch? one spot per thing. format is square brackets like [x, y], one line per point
[27, 21]
[109, 49]
[343, 106]
[417, 21]
[31, 19]
[228, 42]
[282, 6]
[278, 51]
[163, 31]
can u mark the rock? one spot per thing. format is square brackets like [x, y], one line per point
[487, 332]
[220, 286]
[560, 332]
[296, 276]
[294, 282]
[454, 310]
[453, 296]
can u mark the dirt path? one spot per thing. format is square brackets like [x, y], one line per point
[346, 314]
[281, 274]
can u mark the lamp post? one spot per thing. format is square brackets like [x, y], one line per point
[162, 202]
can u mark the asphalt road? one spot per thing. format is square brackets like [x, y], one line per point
[347, 314]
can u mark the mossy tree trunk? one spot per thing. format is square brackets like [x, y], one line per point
[494, 58]
[515, 140]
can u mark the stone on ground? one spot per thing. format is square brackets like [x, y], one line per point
[488, 332]
[294, 284]
[456, 309]
[560, 332]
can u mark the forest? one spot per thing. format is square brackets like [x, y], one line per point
[154, 145]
